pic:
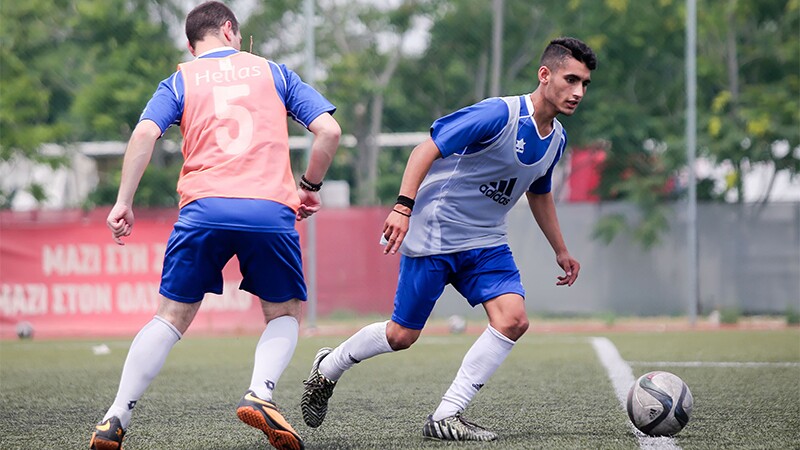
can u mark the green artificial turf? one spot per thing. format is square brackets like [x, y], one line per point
[552, 392]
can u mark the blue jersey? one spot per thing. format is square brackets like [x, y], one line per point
[492, 153]
[303, 103]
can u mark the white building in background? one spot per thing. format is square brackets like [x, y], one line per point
[65, 186]
[70, 185]
[757, 178]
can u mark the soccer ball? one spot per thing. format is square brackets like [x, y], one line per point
[24, 330]
[659, 404]
[457, 324]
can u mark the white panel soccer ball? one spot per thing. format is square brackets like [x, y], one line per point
[24, 330]
[456, 324]
[659, 404]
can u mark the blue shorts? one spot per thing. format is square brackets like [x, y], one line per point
[270, 263]
[479, 275]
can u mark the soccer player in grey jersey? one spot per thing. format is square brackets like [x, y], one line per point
[449, 223]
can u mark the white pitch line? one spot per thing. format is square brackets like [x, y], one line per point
[712, 364]
[621, 376]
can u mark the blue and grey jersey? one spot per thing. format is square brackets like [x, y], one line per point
[492, 153]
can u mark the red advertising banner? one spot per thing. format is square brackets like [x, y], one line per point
[62, 273]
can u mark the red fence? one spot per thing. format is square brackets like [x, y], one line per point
[62, 273]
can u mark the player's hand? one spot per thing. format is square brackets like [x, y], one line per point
[395, 228]
[310, 203]
[571, 268]
[120, 222]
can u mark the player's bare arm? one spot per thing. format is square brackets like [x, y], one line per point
[137, 157]
[326, 132]
[419, 163]
[544, 211]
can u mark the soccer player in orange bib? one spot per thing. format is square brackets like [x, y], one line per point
[237, 197]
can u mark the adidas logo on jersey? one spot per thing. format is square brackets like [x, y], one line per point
[499, 191]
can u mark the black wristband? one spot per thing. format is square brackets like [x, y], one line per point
[309, 186]
[401, 213]
[408, 202]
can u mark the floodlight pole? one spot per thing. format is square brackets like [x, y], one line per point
[311, 225]
[691, 150]
[497, 46]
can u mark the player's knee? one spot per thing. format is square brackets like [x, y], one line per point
[272, 311]
[513, 327]
[401, 339]
[522, 326]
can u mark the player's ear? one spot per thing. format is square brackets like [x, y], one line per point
[191, 49]
[227, 31]
[544, 74]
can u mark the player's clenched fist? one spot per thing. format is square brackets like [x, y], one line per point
[120, 222]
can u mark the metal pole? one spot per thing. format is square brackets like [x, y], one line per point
[497, 47]
[311, 223]
[691, 150]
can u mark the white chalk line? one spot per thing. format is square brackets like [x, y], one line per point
[621, 376]
[752, 364]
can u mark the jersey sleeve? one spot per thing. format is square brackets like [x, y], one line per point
[470, 129]
[303, 102]
[166, 106]
[544, 184]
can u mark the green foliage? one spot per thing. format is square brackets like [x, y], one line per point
[749, 68]
[391, 165]
[26, 91]
[79, 70]
[608, 318]
[730, 315]
[792, 316]
[359, 48]
[608, 227]
[157, 187]
[84, 69]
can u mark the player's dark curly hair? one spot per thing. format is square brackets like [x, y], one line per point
[206, 19]
[559, 49]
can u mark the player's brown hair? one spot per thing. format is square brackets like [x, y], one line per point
[206, 19]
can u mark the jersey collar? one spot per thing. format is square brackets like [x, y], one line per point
[223, 51]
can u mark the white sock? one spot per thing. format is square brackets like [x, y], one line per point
[273, 353]
[146, 356]
[367, 342]
[480, 362]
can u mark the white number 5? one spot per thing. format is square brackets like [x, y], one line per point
[223, 109]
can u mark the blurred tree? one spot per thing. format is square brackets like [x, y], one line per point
[30, 100]
[635, 106]
[83, 69]
[360, 45]
[749, 61]
[79, 70]
[748, 94]
[156, 189]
